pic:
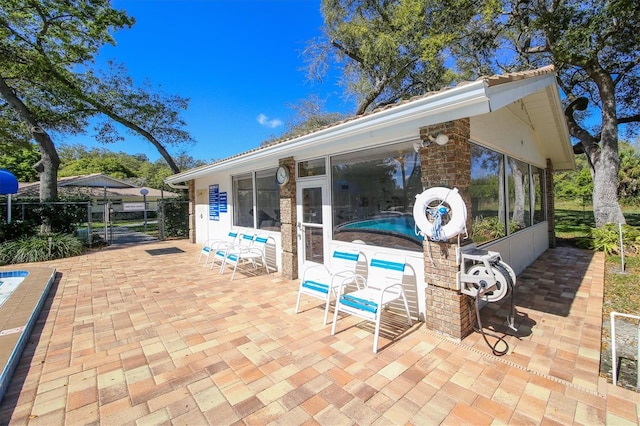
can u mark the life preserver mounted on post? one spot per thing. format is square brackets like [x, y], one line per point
[424, 208]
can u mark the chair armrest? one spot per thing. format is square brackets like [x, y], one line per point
[319, 269]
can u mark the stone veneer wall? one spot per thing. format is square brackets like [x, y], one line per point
[192, 211]
[288, 222]
[551, 207]
[447, 310]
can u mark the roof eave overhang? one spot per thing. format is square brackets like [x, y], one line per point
[455, 103]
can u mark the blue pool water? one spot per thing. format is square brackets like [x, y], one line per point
[9, 282]
[403, 224]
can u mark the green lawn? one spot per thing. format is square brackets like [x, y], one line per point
[573, 223]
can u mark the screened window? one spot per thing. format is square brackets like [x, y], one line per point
[257, 192]
[519, 195]
[537, 177]
[487, 194]
[243, 201]
[267, 201]
[373, 194]
[503, 190]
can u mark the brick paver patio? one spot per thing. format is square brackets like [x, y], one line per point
[133, 336]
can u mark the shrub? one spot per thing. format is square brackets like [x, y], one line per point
[16, 229]
[39, 248]
[607, 239]
[176, 218]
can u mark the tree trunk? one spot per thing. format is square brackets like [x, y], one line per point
[606, 160]
[49, 162]
[603, 157]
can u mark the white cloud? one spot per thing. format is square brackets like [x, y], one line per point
[265, 121]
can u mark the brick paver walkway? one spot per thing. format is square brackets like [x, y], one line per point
[127, 337]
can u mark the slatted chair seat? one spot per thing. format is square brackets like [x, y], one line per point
[228, 252]
[212, 246]
[253, 253]
[322, 281]
[383, 286]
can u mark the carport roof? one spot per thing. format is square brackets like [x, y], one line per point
[537, 89]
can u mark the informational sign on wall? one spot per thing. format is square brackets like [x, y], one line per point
[217, 202]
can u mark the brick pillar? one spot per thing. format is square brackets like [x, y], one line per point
[448, 311]
[550, 203]
[288, 222]
[192, 211]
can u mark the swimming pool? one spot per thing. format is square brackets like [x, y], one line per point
[22, 296]
[9, 282]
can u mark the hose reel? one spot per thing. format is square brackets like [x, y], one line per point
[486, 278]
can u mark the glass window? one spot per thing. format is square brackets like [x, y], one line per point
[537, 177]
[243, 201]
[487, 195]
[519, 199]
[373, 193]
[268, 201]
[312, 168]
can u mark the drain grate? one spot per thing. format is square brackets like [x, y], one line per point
[169, 250]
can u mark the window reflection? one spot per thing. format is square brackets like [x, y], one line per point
[519, 200]
[267, 201]
[487, 194]
[373, 195]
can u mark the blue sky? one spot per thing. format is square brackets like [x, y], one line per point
[239, 61]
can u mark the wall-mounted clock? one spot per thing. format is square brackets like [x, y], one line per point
[282, 175]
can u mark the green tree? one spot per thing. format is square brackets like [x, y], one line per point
[594, 46]
[20, 160]
[48, 86]
[387, 50]
[35, 38]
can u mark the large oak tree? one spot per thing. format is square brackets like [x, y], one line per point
[391, 49]
[49, 86]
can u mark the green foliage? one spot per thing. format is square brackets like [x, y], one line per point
[607, 239]
[20, 159]
[485, 229]
[388, 51]
[39, 248]
[16, 229]
[64, 216]
[176, 218]
[78, 160]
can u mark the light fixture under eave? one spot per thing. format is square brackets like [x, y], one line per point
[440, 139]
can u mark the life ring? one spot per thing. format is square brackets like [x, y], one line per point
[457, 213]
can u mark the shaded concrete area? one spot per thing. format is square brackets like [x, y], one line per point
[128, 336]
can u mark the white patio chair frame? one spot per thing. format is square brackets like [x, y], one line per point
[243, 241]
[212, 245]
[252, 253]
[383, 286]
[320, 281]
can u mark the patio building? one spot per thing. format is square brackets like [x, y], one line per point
[495, 142]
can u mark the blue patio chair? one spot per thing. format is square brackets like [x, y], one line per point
[383, 286]
[212, 245]
[254, 252]
[321, 281]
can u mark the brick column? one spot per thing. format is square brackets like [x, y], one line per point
[448, 311]
[288, 222]
[192, 211]
[550, 203]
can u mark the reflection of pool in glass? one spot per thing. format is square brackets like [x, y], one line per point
[400, 224]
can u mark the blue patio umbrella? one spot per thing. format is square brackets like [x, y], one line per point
[8, 186]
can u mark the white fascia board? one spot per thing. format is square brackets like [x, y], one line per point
[504, 94]
[455, 103]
